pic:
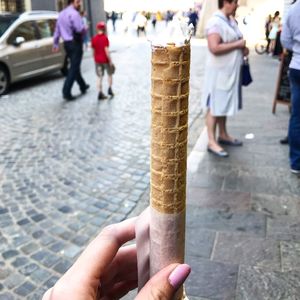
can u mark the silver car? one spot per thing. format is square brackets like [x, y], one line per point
[26, 47]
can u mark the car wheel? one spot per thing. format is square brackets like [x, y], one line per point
[4, 80]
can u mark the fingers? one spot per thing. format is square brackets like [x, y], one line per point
[102, 250]
[165, 283]
[123, 267]
[119, 290]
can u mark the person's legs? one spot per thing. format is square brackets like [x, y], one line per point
[222, 128]
[69, 48]
[294, 126]
[211, 123]
[100, 73]
[78, 58]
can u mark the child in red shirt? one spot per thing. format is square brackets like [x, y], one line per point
[100, 44]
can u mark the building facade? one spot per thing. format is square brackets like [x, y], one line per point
[94, 8]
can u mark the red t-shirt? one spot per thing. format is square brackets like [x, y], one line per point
[99, 43]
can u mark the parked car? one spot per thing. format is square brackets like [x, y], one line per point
[26, 47]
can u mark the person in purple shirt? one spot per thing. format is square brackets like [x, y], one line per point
[70, 28]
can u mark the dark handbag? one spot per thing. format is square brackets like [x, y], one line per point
[246, 75]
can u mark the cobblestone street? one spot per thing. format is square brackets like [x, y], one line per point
[68, 169]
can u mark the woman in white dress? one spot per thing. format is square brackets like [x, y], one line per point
[222, 84]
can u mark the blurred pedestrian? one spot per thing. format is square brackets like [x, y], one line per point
[141, 23]
[153, 20]
[86, 25]
[103, 61]
[274, 28]
[290, 39]
[108, 270]
[193, 19]
[267, 30]
[69, 26]
[222, 83]
[114, 17]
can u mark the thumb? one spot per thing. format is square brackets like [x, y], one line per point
[165, 283]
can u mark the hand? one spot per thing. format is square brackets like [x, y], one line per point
[241, 44]
[106, 270]
[246, 51]
[55, 49]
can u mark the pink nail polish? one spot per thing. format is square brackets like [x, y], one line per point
[179, 275]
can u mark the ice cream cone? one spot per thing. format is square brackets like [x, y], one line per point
[169, 130]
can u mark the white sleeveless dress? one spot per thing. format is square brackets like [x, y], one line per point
[222, 80]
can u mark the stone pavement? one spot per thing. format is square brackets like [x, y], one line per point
[243, 229]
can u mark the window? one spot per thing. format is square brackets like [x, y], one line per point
[44, 29]
[5, 22]
[25, 30]
[12, 5]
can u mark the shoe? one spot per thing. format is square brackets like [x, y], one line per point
[101, 96]
[284, 141]
[110, 92]
[69, 98]
[221, 153]
[83, 91]
[235, 142]
[297, 172]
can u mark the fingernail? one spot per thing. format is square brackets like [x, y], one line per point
[179, 275]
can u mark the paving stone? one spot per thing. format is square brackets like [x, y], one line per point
[28, 269]
[6, 296]
[201, 246]
[25, 289]
[225, 200]
[284, 228]
[50, 282]
[246, 222]
[62, 266]
[290, 252]
[30, 248]
[20, 261]
[9, 254]
[13, 280]
[211, 279]
[257, 283]
[248, 251]
[39, 275]
[71, 251]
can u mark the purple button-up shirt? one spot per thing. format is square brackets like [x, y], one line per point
[68, 22]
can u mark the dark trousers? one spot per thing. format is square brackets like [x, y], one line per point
[74, 52]
[294, 127]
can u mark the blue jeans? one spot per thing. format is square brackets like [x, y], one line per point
[294, 127]
[74, 53]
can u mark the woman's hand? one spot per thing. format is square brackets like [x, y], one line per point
[241, 44]
[106, 271]
[246, 51]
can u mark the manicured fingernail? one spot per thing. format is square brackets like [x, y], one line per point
[179, 275]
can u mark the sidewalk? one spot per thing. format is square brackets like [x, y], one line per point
[243, 229]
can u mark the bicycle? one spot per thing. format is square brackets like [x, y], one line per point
[261, 47]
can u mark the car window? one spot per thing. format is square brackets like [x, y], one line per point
[44, 28]
[5, 22]
[25, 30]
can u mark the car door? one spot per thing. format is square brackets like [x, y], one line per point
[25, 59]
[51, 60]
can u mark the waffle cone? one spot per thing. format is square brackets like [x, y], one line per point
[170, 92]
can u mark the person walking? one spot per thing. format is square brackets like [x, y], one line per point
[290, 39]
[86, 25]
[103, 61]
[274, 28]
[222, 84]
[70, 28]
